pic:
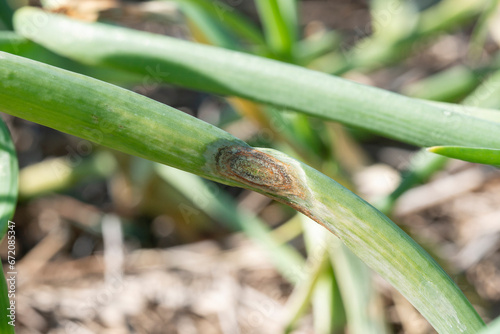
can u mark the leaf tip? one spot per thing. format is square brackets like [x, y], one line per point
[434, 149]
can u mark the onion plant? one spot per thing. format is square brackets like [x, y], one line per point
[118, 118]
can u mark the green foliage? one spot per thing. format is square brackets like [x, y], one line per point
[226, 72]
[8, 199]
[8, 178]
[6, 12]
[472, 154]
[120, 119]
[80, 106]
[230, 19]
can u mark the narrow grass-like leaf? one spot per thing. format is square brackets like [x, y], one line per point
[354, 281]
[472, 154]
[480, 33]
[201, 23]
[322, 296]
[5, 305]
[393, 20]
[299, 302]
[59, 174]
[486, 95]
[134, 124]
[231, 73]
[316, 45]
[8, 178]
[362, 305]
[6, 13]
[448, 13]
[8, 199]
[278, 35]
[373, 52]
[328, 310]
[448, 86]
[290, 12]
[230, 18]
[423, 165]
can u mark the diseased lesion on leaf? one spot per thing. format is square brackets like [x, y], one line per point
[280, 179]
[257, 169]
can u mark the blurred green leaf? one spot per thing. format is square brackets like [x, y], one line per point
[472, 154]
[60, 173]
[290, 13]
[5, 304]
[449, 85]
[393, 20]
[202, 23]
[449, 13]
[8, 178]
[374, 52]
[229, 17]
[328, 308]
[315, 46]
[487, 94]
[480, 33]
[6, 13]
[363, 305]
[300, 300]
[8, 199]
[278, 28]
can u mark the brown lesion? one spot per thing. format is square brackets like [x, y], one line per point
[265, 173]
[258, 170]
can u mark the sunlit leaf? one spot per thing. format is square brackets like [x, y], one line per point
[478, 155]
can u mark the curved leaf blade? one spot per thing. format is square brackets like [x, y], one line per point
[228, 72]
[478, 155]
[8, 199]
[134, 124]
